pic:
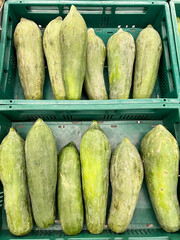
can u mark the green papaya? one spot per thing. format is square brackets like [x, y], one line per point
[70, 203]
[95, 152]
[30, 58]
[148, 54]
[120, 55]
[41, 164]
[160, 154]
[13, 177]
[52, 50]
[126, 175]
[73, 41]
[94, 79]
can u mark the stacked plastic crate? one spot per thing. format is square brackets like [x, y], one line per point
[69, 119]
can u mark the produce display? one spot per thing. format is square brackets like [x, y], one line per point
[160, 154]
[70, 203]
[41, 166]
[121, 54]
[30, 58]
[94, 79]
[75, 57]
[13, 177]
[95, 153]
[126, 175]
[52, 50]
[148, 54]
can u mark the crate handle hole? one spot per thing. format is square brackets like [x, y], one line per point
[43, 9]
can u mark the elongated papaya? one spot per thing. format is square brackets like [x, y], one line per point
[52, 49]
[120, 54]
[148, 54]
[73, 40]
[94, 79]
[41, 164]
[30, 58]
[95, 152]
[70, 204]
[13, 177]
[126, 175]
[160, 154]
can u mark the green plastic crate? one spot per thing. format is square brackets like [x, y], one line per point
[175, 12]
[105, 17]
[144, 225]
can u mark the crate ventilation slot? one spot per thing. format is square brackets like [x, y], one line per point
[108, 117]
[130, 10]
[85, 10]
[45, 118]
[1, 199]
[162, 81]
[41, 233]
[133, 117]
[140, 231]
[67, 117]
[43, 9]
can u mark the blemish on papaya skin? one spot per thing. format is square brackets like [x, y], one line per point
[165, 172]
[161, 189]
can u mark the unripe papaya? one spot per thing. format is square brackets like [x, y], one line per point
[120, 54]
[70, 204]
[52, 50]
[13, 177]
[160, 153]
[148, 54]
[95, 152]
[126, 175]
[30, 58]
[41, 164]
[73, 40]
[94, 79]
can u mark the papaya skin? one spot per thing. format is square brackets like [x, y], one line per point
[70, 204]
[126, 175]
[160, 154]
[95, 152]
[41, 164]
[30, 58]
[94, 79]
[13, 177]
[148, 55]
[73, 40]
[120, 55]
[52, 50]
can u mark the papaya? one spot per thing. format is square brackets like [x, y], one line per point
[70, 203]
[52, 50]
[160, 154]
[94, 79]
[41, 164]
[148, 55]
[73, 41]
[95, 152]
[30, 58]
[13, 178]
[126, 176]
[120, 55]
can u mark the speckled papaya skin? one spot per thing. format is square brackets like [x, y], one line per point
[95, 152]
[41, 164]
[160, 154]
[73, 40]
[52, 50]
[13, 177]
[30, 58]
[70, 203]
[126, 175]
[94, 79]
[120, 55]
[148, 54]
